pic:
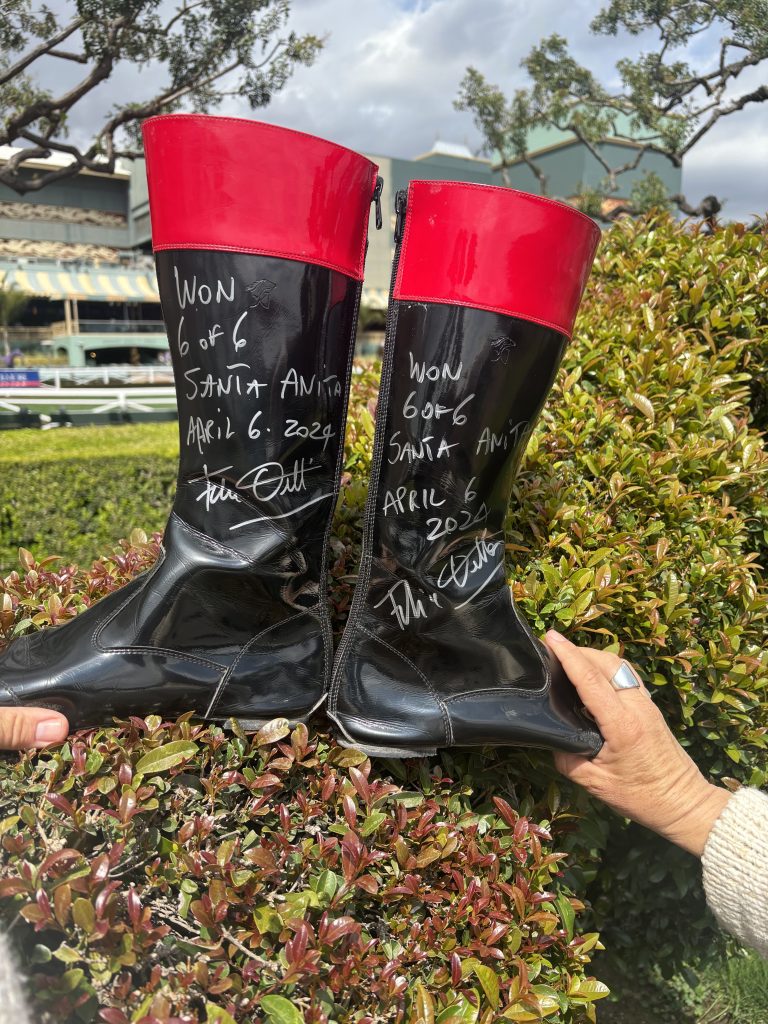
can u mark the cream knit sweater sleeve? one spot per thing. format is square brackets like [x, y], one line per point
[735, 862]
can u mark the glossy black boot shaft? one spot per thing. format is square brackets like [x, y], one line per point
[233, 619]
[435, 653]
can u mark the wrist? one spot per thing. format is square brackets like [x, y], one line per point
[704, 804]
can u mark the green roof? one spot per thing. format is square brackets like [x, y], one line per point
[544, 137]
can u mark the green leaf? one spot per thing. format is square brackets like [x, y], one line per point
[267, 920]
[66, 954]
[72, 978]
[144, 1005]
[588, 990]
[280, 1010]
[347, 757]
[326, 884]
[489, 982]
[422, 1006]
[372, 822]
[272, 732]
[566, 912]
[84, 915]
[409, 799]
[520, 1012]
[168, 756]
[217, 1014]
[460, 1010]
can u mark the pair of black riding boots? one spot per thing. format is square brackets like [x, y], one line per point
[260, 239]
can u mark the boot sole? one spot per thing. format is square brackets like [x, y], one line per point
[393, 752]
[254, 724]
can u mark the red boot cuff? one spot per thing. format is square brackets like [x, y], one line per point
[496, 249]
[245, 186]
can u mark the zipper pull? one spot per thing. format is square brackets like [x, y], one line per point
[377, 200]
[400, 205]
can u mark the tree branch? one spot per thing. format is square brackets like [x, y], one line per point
[250, 48]
[84, 159]
[541, 177]
[55, 108]
[182, 11]
[156, 105]
[593, 150]
[39, 51]
[759, 95]
[80, 58]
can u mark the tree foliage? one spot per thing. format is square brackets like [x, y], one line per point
[663, 105]
[12, 304]
[206, 51]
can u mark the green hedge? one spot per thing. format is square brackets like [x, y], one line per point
[76, 492]
[642, 515]
[185, 874]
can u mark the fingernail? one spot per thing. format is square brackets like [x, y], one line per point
[555, 637]
[48, 731]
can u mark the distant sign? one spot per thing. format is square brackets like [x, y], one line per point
[19, 378]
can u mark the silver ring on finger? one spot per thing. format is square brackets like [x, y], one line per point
[625, 678]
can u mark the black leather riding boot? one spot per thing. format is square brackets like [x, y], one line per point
[260, 236]
[486, 285]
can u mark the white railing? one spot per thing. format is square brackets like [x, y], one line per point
[106, 375]
[97, 399]
[118, 326]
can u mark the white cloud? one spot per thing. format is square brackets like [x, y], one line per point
[388, 77]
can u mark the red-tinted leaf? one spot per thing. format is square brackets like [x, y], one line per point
[455, 970]
[115, 853]
[368, 884]
[261, 857]
[12, 886]
[328, 787]
[106, 892]
[111, 1015]
[41, 896]
[520, 829]
[350, 811]
[540, 832]
[134, 906]
[339, 927]
[58, 858]
[506, 812]
[266, 781]
[351, 848]
[100, 868]
[60, 803]
[127, 806]
[361, 785]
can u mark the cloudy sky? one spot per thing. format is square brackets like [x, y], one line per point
[386, 81]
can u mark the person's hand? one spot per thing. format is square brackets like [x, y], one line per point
[642, 772]
[22, 728]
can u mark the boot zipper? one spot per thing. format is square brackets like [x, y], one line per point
[401, 201]
[377, 200]
[361, 587]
